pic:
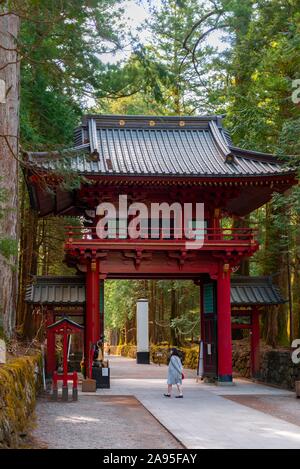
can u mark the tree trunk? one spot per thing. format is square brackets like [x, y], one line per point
[274, 262]
[9, 137]
[27, 260]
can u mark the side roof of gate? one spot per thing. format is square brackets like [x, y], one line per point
[56, 291]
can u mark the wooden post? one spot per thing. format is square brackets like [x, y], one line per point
[255, 339]
[224, 325]
[216, 224]
[92, 319]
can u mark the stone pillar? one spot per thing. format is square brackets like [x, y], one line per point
[255, 336]
[142, 330]
[92, 317]
[224, 325]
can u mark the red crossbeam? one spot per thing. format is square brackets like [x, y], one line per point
[230, 235]
[65, 378]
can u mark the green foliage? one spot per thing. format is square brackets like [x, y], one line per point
[3, 198]
[8, 247]
[120, 305]
[51, 238]
[187, 324]
[186, 59]
[61, 45]
[171, 73]
[48, 116]
[262, 63]
[120, 301]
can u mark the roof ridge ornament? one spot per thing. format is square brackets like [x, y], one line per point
[94, 156]
[92, 129]
[223, 147]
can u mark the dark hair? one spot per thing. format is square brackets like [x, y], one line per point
[175, 352]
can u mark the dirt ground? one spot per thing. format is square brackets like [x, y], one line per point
[284, 407]
[99, 422]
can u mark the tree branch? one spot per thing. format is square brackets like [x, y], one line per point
[198, 23]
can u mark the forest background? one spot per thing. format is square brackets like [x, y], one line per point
[158, 57]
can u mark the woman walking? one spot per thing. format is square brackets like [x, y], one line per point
[175, 373]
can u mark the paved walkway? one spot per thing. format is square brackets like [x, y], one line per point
[205, 418]
[209, 416]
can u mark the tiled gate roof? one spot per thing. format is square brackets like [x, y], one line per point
[160, 146]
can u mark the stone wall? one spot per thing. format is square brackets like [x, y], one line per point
[19, 384]
[241, 358]
[276, 366]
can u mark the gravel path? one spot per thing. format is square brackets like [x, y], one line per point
[99, 422]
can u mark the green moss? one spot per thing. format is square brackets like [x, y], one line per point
[18, 389]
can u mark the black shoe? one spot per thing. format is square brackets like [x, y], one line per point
[167, 395]
[179, 397]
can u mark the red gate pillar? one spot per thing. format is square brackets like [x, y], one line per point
[224, 325]
[255, 336]
[101, 308]
[65, 365]
[51, 359]
[92, 319]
